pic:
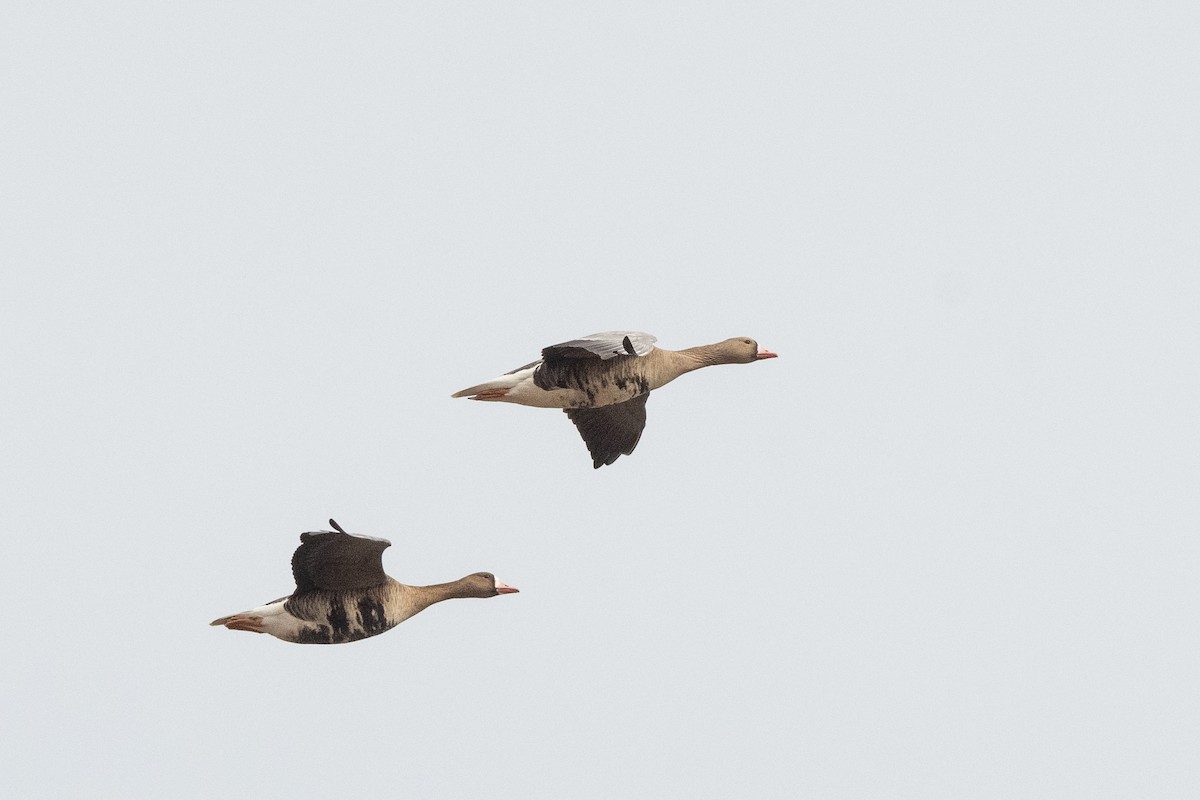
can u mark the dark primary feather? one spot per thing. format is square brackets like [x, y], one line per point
[611, 431]
[338, 560]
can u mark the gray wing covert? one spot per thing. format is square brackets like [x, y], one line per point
[606, 345]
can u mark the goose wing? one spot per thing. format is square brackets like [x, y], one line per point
[338, 560]
[610, 431]
[609, 344]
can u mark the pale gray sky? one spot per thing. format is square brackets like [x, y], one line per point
[944, 547]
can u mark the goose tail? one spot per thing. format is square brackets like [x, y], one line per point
[485, 388]
[497, 388]
[252, 620]
[244, 621]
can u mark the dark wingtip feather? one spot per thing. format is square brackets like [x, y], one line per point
[336, 527]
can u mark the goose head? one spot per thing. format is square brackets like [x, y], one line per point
[740, 350]
[482, 584]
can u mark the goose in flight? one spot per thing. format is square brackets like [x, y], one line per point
[343, 595]
[602, 382]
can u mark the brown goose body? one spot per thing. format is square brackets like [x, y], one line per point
[343, 595]
[602, 382]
